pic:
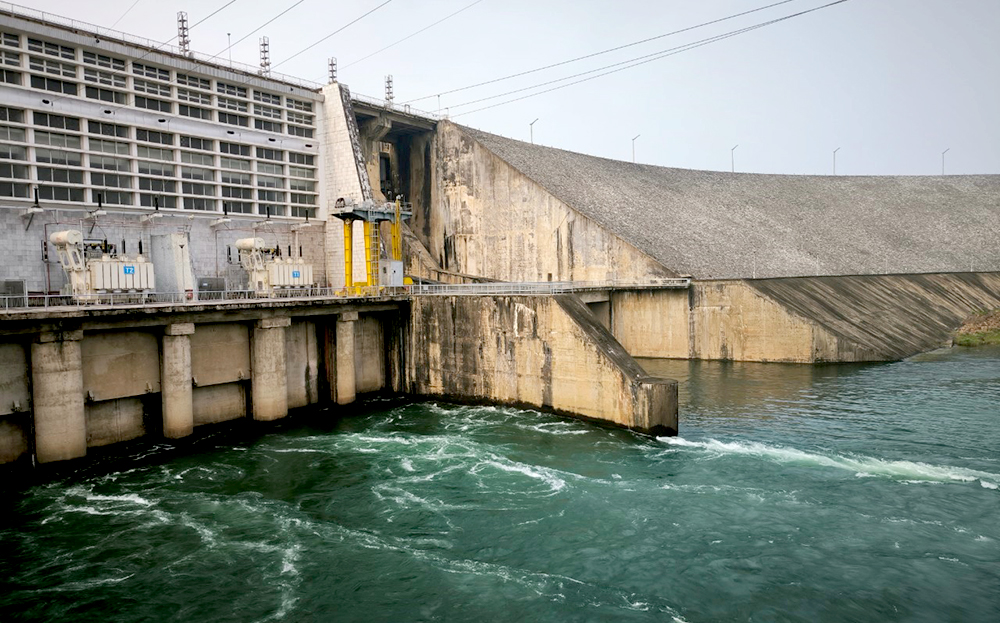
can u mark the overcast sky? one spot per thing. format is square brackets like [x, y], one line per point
[892, 83]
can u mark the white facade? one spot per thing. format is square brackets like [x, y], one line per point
[85, 119]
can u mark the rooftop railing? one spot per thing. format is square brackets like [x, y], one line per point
[107, 33]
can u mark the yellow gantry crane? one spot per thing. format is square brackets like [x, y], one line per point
[372, 215]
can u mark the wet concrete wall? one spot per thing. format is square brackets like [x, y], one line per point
[545, 352]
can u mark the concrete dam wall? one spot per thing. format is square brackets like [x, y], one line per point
[712, 224]
[543, 352]
[802, 320]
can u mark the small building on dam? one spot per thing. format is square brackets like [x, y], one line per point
[190, 242]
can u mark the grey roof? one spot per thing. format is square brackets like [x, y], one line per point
[716, 224]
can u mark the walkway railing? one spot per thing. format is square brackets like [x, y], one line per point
[405, 108]
[546, 287]
[137, 300]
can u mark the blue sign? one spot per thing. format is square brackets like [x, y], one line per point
[296, 274]
[129, 270]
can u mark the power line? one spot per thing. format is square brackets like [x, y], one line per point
[256, 30]
[206, 18]
[635, 62]
[410, 36]
[608, 51]
[127, 11]
[157, 48]
[306, 49]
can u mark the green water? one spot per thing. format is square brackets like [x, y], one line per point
[837, 493]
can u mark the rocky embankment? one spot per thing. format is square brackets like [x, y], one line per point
[982, 329]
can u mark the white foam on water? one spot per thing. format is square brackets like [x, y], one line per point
[128, 498]
[407, 464]
[84, 585]
[554, 482]
[989, 485]
[862, 465]
[983, 539]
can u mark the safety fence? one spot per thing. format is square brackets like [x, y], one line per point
[125, 300]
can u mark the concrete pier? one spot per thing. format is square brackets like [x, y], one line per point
[57, 396]
[175, 381]
[346, 372]
[269, 380]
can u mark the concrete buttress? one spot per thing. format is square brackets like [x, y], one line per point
[346, 373]
[57, 396]
[269, 379]
[175, 381]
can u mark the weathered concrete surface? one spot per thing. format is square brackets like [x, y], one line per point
[546, 352]
[13, 437]
[721, 225]
[119, 364]
[15, 393]
[346, 381]
[219, 403]
[731, 320]
[57, 397]
[175, 381]
[343, 175]
[302, 364]
[803, 320]
[369, 354]
[652, 323]
[269, 386]
[489, 219]
[114, 421]
[893, 316]
[220, 353]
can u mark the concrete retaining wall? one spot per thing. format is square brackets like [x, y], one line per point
[803, 320]
[123, 376]
[546, 352]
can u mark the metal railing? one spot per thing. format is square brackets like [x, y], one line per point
[107, 33]
[405, 108]
[543, 287]
[141, 300]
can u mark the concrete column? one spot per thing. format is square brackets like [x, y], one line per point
[346, 374]
[269, 378]
[57, 397]
[175, 381]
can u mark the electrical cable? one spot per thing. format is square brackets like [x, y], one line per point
[635, 62]
[256, 30]
[351, 23]
[127, 11]
[607, 51]
[410, 36]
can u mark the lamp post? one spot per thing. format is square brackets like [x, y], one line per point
[633, 146]
[531, 128]
[229, 41]
[835, 160]
[732, 157]
[942, 159]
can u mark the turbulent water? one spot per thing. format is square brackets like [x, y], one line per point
[794, 493]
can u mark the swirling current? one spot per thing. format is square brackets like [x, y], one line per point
[794, 493]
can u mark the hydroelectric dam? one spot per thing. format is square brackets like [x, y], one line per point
[190, 243]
